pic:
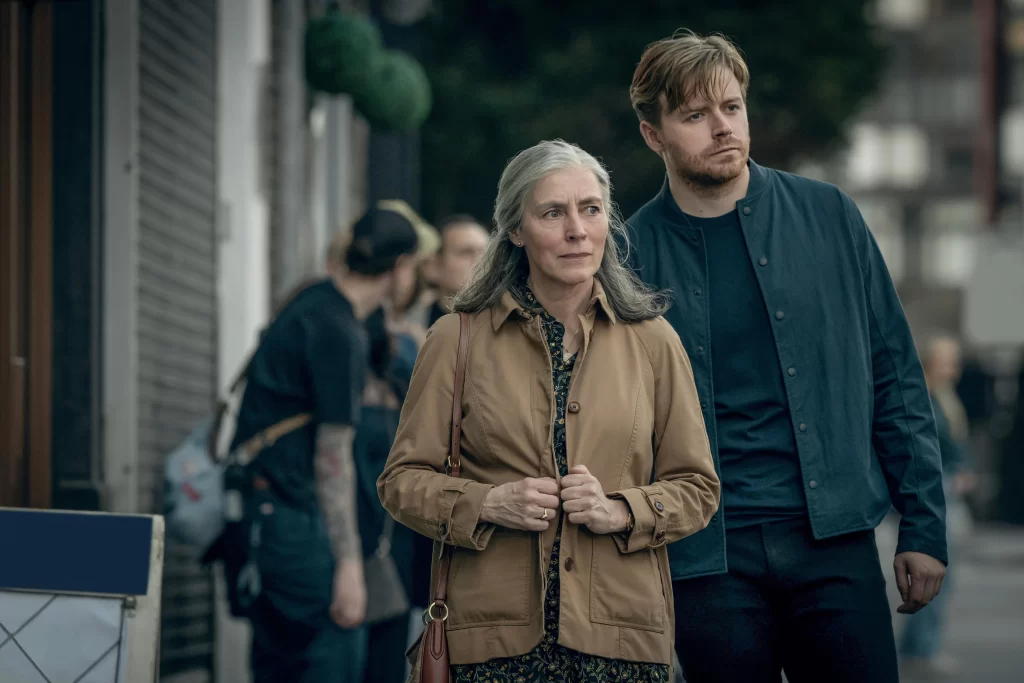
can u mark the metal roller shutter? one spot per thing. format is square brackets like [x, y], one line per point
[177, 316]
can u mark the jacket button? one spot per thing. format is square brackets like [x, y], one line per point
[762, 261]
[791, 372]
[569, 564]
[779, 315]
[443, 529]
[659, 507]
[700, 349]
[813, 484]
[697, 291]
[574, 407]
[803, 427]
[746, 210]
[660, 536]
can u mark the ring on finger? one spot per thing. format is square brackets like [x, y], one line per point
[545, 515]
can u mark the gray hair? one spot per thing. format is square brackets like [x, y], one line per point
[503, 265]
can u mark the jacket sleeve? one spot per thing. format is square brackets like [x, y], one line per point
[903, 428]
[685, 490]
[414, 487]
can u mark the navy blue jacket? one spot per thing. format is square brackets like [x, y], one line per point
[863, 421]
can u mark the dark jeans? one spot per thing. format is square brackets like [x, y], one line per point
[385, 657]
[286, 651]
[816, 609]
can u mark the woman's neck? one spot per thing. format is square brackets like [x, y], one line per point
[563, 302]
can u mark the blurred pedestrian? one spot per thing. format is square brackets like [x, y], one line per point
[312, 360]
[394, 343]
[583, 449]
[921, 644]
[812, 392]
[463, 240]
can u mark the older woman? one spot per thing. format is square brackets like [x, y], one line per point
[583, 447]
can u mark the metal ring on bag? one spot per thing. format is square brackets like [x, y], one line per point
[428, 617]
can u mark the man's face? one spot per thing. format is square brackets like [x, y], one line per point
[705, 143]
[464, 244]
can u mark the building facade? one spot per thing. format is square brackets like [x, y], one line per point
[167, 177]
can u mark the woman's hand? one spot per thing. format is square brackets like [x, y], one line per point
[584, 500]
[528, 505]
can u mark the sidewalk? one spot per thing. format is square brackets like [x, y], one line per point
[985, 631]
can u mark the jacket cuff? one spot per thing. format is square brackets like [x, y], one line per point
[648, 521]
[460, 515]
[924, 546]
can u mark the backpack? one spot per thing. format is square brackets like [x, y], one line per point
[196, 504]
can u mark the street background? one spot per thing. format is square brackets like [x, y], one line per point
[170, 169]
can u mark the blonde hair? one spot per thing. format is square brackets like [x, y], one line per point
[503, 264]
[682, 67]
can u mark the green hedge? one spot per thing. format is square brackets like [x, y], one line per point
[345, 54]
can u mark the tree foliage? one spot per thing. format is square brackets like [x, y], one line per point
[509, 73]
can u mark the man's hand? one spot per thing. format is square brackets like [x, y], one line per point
[584, 500]
[348, 606]
[919, 578]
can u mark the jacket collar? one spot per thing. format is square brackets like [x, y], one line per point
[509, 304]
[759, 180]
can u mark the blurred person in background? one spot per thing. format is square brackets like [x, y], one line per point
[463, 240]
[313, 358]
[394, 343]
[583, 449]
[813, 394]
[922, 640]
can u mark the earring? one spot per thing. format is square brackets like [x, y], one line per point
[519, 244]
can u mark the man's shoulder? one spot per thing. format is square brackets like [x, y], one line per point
[808, 188]
[644, 217]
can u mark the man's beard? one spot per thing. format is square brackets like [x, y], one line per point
[697, 172]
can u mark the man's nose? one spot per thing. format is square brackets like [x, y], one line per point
[720, 125]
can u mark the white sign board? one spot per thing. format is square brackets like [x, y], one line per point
[993, 312]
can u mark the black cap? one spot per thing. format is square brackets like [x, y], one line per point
[386, 232]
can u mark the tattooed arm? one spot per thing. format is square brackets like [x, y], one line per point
[336, 491]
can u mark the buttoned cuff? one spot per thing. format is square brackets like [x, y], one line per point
[460, 523]
[649, 521]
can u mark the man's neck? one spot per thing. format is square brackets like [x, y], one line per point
[364, 294]
[708, 202]
[564, 302]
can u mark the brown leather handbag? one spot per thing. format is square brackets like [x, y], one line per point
[433, 656]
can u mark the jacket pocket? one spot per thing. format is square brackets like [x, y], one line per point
[492, 587]
[626, 589]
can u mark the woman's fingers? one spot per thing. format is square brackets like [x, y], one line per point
[544, 500]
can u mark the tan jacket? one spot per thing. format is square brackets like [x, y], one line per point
[633, 417]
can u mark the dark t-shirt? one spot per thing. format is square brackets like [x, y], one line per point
[756, 447]
[312, 359]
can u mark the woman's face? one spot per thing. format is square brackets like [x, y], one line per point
[564, 227]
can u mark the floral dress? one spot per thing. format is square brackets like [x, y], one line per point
[550, 662]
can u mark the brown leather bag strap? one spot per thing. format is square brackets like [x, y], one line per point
[455, 456]
[251, 448]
